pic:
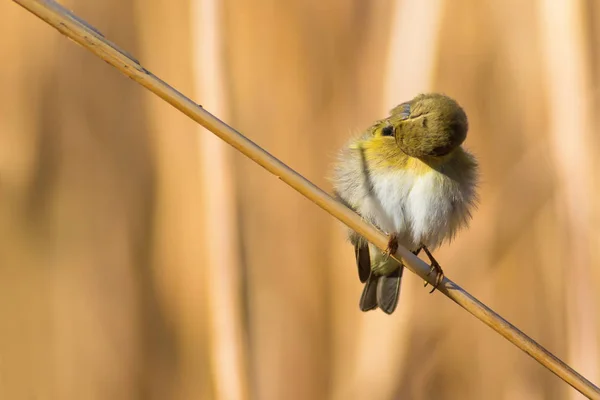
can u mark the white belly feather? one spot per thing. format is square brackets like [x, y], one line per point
[426, 208]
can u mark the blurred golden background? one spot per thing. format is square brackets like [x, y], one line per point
[142, 258]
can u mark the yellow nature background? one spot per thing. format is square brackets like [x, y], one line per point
[142, 258]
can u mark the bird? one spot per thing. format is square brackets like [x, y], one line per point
[410, 176]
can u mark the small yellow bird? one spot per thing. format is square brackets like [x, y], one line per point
[409, 176]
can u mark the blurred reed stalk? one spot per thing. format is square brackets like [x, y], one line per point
[226, 314]
[568, 79]
[82, 33]
[406, 22]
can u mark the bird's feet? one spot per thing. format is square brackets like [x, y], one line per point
[435, 267]
[392, 246]
[417, 251]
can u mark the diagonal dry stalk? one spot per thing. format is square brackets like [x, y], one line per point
[78, 30]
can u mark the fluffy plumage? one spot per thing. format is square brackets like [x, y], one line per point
[424, 200]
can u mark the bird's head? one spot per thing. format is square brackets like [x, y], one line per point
[430, 125]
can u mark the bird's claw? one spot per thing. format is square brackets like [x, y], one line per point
[392, 246]
[439, 277]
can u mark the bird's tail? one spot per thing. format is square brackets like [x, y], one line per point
[382, 291]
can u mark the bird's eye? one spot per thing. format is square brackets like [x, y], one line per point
[387, 131]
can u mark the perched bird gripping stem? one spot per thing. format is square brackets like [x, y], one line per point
[409, 175]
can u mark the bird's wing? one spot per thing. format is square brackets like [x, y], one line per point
[363, 260]
[361, 247]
